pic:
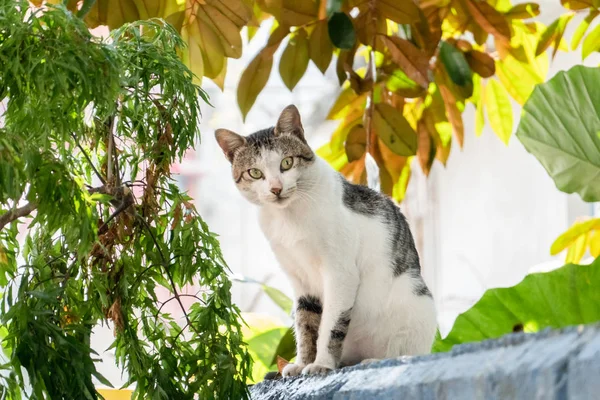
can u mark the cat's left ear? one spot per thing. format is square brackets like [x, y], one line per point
[289, 123]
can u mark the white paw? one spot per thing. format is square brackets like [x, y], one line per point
[292, 370]
[316, 369]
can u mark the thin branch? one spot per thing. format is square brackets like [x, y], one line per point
[89, 160]
[173, 298]
[109, 167]
[16, 213]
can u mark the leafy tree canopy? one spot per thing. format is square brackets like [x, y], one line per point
[89, 131]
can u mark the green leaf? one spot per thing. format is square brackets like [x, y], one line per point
[341, 31]
[286, 347]
[294, 59]
[253, 80]
[456, 65]
[499, 110]
[563, 297]
[394, 130]
[582, 29]
[401, 84]
[591, 43]
[320, 48]
[283, 301]
[559, 125]
[264, 345]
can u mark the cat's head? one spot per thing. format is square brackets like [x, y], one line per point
[270, 167]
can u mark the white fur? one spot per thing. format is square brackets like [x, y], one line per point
[344, 258]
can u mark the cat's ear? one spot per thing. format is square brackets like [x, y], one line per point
[289, 123]
[229, 142]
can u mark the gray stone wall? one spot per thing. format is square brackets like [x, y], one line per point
[553, 364]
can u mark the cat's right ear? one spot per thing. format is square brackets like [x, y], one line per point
[229, 141]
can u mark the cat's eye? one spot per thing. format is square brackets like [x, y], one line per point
[255, 173]
[287, 163]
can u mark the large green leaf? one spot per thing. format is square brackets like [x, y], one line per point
[560, 125]
[566, 296]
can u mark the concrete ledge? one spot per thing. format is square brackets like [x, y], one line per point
[552, 364]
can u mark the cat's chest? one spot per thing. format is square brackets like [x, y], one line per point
[288, 231]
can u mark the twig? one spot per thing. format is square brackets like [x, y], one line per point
[89, 160]
[172, 298]
[169, 276]
[109, 150]
[16, 213]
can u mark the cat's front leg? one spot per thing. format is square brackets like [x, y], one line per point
[340, 288]
[306, 326]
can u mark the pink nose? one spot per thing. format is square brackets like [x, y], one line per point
[276, 191]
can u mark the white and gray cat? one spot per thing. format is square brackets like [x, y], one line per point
[346, 249]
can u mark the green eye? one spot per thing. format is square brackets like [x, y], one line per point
[255, 173]
[287, 163]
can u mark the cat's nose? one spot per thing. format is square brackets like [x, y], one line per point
[276, 191]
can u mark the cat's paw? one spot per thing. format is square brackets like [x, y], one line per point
[316, 369]
[292, 370]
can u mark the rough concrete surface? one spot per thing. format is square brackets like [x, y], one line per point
[552, 364]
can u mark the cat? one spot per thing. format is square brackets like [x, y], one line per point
[346, 249]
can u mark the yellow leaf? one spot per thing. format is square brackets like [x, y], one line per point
[577, 250]
[294, 59]
[368, 25]
[479, 116]
[453, 113]
[291, 12]
[401, 185]
[426, 148]
[219, 80]
[392, 162]
[209, 46]
[401, 12]
[239, 12]
[499, 110]
[412, 61]
[591, 43]
[595, 243]
[394, 130]
[519, 70]
[192, 55]
[523, 11]
[337, 159]
[577, 230]
[356, 143]
[582, 28]
[492, 21]
[319, 47]
[347, 102]
[113, 13]
[553, 34]
[227, 32]
[577, 4]
[253, 80]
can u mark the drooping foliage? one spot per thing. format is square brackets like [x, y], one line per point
[88, 130]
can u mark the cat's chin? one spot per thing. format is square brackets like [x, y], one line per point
[281, 202]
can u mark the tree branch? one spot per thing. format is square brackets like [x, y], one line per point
[16, 213]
